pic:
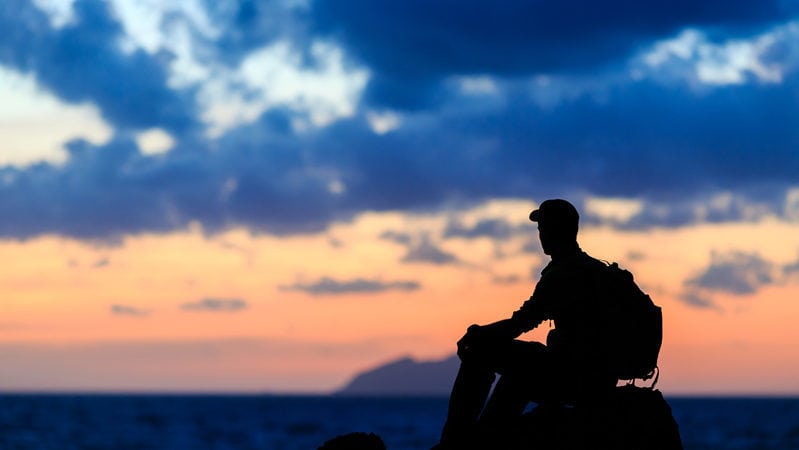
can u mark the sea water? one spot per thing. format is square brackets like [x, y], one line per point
[85, 421]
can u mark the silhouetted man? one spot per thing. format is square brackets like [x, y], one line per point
[571, 366]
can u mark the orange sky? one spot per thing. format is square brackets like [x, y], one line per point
[155, 122]
[59, 331]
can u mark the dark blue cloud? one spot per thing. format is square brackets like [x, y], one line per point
[661, 143]
[331, 286]
[84, 62]
[671, 145]
[412, 45]
[247, 25]
[664, 145]
[106, 192]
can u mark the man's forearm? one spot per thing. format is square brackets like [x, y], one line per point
[503, 330]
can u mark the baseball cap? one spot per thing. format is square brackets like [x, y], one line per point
[556, 211]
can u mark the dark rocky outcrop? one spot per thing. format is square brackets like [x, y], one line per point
[354, 441]
[632, 419]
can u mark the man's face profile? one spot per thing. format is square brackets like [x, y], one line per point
[553, 236]
[545, 236]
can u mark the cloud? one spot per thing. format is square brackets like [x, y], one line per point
[506, 279]
[663, 151]
[495, 229]
[396, 237]
[535, 270]
[737, 273]
[330, 286]
[513, 39]
[791, 270]
[83, 61]
[636, 255]
[425, 251]
[102, 262]
[126, 310]
[420, 248]
[696, 299]
[685, 154]
[532, 245]
[216, 304]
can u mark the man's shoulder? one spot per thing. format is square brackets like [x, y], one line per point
[588, 260]
[575, 266]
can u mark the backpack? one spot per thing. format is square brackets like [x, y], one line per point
[636, 330]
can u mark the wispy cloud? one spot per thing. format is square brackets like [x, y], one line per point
[397, 237]
[697, 299]
[506, 279]
[216, 305]
[420, 248]
[330, 286]
[736, 273]
[425, 251]
[102, 262]
[127, 310]
[496, 229]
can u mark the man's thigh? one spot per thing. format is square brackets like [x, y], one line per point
[512, 356]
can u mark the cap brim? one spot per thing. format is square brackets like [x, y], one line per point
[534, 215]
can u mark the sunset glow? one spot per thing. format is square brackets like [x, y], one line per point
[201, 198]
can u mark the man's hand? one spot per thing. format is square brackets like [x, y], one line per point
[486, 336]
[475, 336]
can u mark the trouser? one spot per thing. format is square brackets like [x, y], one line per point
[528, 371]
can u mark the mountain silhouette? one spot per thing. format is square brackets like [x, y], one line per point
[405, 377]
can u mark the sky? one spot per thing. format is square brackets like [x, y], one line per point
[270, 196]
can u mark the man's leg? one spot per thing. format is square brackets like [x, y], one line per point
[522, 364]
[506, 403]
[469, 394]
[525, 376]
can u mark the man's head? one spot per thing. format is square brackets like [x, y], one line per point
[557, 225]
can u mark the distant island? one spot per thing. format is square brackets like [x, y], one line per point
[405, 377]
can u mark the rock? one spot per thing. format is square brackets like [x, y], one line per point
[354, 441]
[633, 419]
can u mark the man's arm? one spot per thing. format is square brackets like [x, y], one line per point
[525, 319]
[528, 316]
[505, 329]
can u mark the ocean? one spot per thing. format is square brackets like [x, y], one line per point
[183, 422]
